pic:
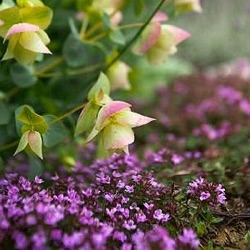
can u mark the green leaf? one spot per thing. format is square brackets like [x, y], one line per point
[23, 76]
[106, 21]
[86, 120]
[247, 238]
[4, 114]
[35, 167]
[200, 228]
[29, 3]
[10, 17]
[30, 119]
[4, 136]
[116, 36]
[1, 165]
[138, 6]
[84, 4]
[23, 142]
[81, 53]
[75, 51]
[215, 220]
[55, 133]
[102, 86]
[40, 16]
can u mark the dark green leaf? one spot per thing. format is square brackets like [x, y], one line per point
[5, 114]
[55, 133]
[106, 21]
[27, 119]
[23, 76]
[116, 36]
[35, 167]
[138, 6]
[82, 53]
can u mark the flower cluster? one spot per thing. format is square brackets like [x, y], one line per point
[113, 212]
[207, 192]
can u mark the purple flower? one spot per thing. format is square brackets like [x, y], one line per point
[189, 237]
[204, 196]
[160, 216]
[129, 225]
[177, 159]
[129, 189]
[119, 236]
[141, 217]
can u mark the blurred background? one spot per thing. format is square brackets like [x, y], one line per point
[220, 35]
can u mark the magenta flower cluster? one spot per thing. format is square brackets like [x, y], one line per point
[207, 192]
[118, 210]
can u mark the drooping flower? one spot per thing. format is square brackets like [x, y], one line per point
[118, 75]
[114, 122]
[158, 41]
[25, 41]
[33, 140]
[187, 5]
[23, 25]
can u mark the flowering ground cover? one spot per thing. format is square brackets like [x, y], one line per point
[185, 184]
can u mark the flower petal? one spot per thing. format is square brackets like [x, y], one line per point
[22, 143]
[108, 110]
[179, 34]
[35, 143]
[118, 75]
[31, 41]
[23, 56]
[149, 37]
[160, 17]
[19, 28]
[116, 136]
[132, 119]
[11, 46]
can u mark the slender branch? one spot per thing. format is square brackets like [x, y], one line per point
[136, 35]
[85, 69]
[9, 145]
[72, 111]
[50, 66]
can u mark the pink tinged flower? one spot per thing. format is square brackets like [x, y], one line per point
[116, 18]
[115, 121]
[118, 75]
[160, 17]
[25, 41]
[1, 22]
[187, 5]
[32, 139]
[159, 41]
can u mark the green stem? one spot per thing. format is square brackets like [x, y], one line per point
[136, 35]
[10, 145]
[50, 66]
[72, 111]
